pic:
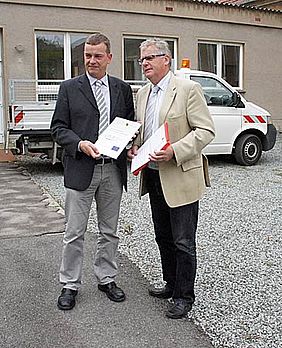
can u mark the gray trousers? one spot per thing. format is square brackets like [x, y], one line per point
[106, 188]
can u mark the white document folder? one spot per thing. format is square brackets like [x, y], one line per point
[117, 135]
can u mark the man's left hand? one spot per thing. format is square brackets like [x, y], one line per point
[163, 155]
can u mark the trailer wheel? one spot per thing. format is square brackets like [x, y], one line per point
[248, 150]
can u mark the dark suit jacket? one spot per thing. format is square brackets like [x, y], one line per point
[76, 118]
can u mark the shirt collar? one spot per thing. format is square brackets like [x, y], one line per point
[92, 79]
[164, 81]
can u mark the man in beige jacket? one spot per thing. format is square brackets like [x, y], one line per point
[176, 177]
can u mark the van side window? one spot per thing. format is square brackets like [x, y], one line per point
[216, 93]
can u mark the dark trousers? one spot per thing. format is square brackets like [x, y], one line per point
[175, 230]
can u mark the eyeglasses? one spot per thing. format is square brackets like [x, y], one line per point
[150, 58]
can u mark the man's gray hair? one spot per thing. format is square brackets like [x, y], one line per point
[161, 45]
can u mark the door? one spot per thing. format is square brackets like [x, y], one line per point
[1, 94]
[226, 117]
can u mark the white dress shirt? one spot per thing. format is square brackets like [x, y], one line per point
[163, 84]
[105, 90]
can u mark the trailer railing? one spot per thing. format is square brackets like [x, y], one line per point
[31, 105]
[21, 91]
[27, 91]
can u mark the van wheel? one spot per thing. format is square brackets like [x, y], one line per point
[248, 150]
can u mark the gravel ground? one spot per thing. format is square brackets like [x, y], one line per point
[239, 280]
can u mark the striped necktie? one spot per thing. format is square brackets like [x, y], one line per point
[150, 112]
[102, 106]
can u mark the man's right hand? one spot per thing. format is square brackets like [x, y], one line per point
[89, 148]
[132, 152]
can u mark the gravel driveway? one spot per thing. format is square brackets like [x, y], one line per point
[239, 281]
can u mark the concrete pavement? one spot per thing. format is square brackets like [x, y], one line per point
[30, 251]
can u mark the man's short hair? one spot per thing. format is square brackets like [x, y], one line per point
[161, 45]
[96, 39]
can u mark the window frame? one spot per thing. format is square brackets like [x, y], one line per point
[47, 89]
[66, 49]
[219, 63]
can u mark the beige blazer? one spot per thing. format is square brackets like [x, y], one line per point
[191, 128]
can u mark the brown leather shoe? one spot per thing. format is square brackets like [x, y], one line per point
[164, 292]
[113, 292]
[66, 300]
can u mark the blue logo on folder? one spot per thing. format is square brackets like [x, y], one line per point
[115, 148]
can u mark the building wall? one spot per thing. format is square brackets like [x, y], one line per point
[1, 94]
[259, 31]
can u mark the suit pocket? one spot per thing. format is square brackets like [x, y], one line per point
[191, 164]
[177, 127]
[177, 116]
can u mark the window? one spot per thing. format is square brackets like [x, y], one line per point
[222, 59]
[215, 92]
[59, 55]
[77, 60]
[132, 70]
[50, 56]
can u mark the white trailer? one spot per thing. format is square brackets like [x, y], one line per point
[31, 106]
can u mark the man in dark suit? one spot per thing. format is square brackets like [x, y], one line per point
[86, 105]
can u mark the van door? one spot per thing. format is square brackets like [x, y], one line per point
[1, 94]
[227, 118]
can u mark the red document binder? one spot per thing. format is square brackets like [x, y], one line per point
[158, 141]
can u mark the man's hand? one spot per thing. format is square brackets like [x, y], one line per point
[163, 155]
[89, 148]
[132, 152]
[135, 135]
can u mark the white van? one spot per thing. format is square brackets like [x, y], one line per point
[243, 129]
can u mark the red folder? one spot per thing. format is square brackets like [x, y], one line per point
[158, 141]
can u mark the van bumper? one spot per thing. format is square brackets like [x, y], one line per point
[269, 139]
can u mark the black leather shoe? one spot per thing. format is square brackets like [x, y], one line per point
[178, 309]
[164, 292]
[66, 300]
[113, 292]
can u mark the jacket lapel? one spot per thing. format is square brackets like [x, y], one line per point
[167, 100]
[114, 93]
[85, 88]
[142, 99]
